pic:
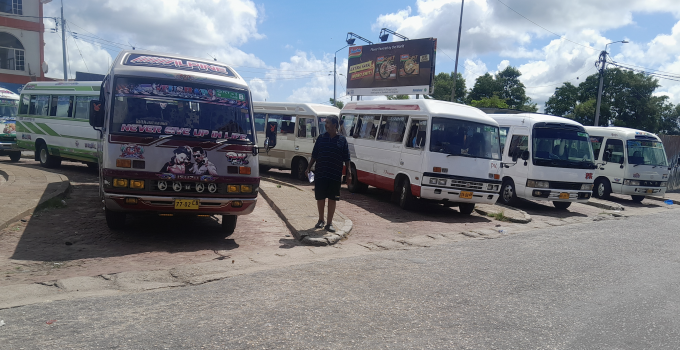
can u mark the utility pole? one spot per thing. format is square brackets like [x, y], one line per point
[455, 69]
[63, 40]
[603, 60]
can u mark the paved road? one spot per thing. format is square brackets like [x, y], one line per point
[602, 285]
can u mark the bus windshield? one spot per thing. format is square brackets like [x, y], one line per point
[8, 108]
[646, 153]
[563, 148]
[464, 138]
[155, 107]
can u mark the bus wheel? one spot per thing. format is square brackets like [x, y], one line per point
[15, 156]
[637, 199]
[47, 160]
[228, 224]
[561, 205]
[602, 189]
[355, 186]
[508, 195]
[115, 220]
[466, 208]
[299, 168]
[406, 198]
[91, 165]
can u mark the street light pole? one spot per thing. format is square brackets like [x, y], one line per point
[455, 69]
[335, 102]
[63, 40]
[603, 60]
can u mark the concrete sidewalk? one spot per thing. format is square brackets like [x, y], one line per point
[296, 206]
[23, 189]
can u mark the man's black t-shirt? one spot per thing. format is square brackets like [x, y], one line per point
[330, 153]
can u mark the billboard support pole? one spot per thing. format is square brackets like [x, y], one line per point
[335, 103]
[455, 69]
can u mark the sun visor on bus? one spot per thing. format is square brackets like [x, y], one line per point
[178, 64]
[559, 126]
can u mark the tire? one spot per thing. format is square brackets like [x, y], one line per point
[508, 195]
[355, 186]
[466, 208]
[91, 165]
[602, 189]
[637, 199]
[115, 220]
[228, 225]
[406, 199]
[298, 169]
[264, 168]
[47, 160]
[15, 156]
[561, 205]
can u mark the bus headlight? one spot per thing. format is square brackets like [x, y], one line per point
[631, 183]
[587, 187]
[137, 184]
[442, 182]
[233, 189]
[664, 184]
[120, 183]
[433, 181]
[538, 184]
[246, 188]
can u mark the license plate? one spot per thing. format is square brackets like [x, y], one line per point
[186, 203]
[465, 195]
[564, 195]
[650, 191]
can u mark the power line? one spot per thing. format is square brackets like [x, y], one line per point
[542, 27]
[81, 53]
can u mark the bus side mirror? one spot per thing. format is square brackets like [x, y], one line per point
[270, 134]
[96, 114]
[525, 155]
[607, 155]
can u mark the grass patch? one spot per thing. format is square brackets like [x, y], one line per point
[499, 216]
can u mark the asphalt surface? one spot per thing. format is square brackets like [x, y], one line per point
[603, 285]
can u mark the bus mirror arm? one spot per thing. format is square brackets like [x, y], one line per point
[256, 150]
[507, 165]
[101, 133]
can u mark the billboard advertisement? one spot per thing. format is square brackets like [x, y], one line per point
[396, 68]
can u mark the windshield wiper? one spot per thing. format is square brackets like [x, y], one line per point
[460, 154]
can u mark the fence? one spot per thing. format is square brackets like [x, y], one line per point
[672, 145]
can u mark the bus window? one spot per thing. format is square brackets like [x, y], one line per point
[346, 125]
[615, 150]
[518, 144]
[285, 123]
[322, 125]
[596, 142]
[25, 101]
[39, 105]
[369, 126]
[82, 110]
[392, 128]
[259, 122]
[417, 134]
[306, 128]
[62, 106]
[504, 136]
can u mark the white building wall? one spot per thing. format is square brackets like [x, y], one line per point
[31, 42]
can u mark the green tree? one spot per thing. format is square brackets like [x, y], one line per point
[443, 84]
[398, 97]
[485, 86]
[506, 85]
[338, 104]
[563, 101]
[670, 120]
[486, 102]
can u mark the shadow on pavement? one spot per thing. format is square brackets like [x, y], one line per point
[546, 208]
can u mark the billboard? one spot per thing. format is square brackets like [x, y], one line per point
[396, 68]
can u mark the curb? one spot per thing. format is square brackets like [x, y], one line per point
[62, 189]
[526, 218]
[606, 206]
[328, 239]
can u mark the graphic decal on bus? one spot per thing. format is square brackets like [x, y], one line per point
[8, 126]
[237, 158]
[187, 160]
[211, 95]
[132, 151]
[176, 63]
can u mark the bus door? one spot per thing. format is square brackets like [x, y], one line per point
[516, 145]
[305, 135]
[612, 168]
[412, 154]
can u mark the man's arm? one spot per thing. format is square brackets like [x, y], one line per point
[309, 167]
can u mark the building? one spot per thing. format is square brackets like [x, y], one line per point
[22, 48]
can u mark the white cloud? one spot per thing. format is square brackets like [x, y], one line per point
[473, 70]
[258, 88]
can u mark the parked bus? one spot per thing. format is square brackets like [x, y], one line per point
[545, 158]
[53, 122]
[9, 103]
[431, 149]
[176, 138]
[630, 162]
[298, 124]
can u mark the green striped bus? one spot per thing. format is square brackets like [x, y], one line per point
[53, 121]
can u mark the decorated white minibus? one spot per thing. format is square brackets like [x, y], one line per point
[630, 162]
[53, 121]
[545, 158]
[9, 103]
[431, 149]
[176, 138]
[298, 126]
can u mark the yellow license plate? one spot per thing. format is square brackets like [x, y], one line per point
[564, 195]
[186, 203]
[465, 195]
[650, 191]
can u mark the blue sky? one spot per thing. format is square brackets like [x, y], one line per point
[285, 49]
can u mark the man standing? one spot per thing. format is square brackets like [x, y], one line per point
[330, 151]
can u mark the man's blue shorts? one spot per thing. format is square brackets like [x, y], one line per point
[327, 188]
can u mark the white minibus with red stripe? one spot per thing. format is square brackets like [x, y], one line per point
[435, 150]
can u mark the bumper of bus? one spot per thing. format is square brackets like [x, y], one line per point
[166, 205]
[555, 195]
[453, 195]
[8, 147]
[643, 191]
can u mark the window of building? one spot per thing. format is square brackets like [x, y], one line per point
[11, 52]
[15, 7]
